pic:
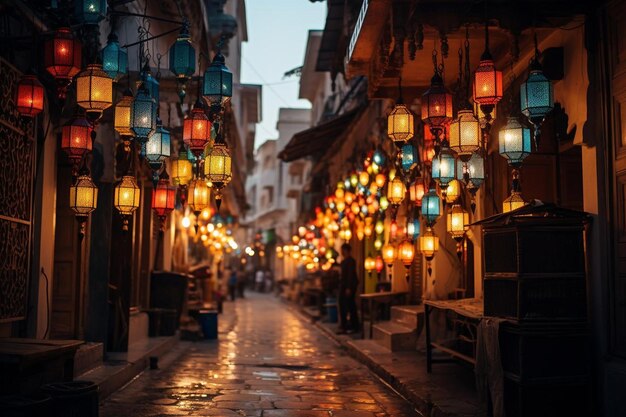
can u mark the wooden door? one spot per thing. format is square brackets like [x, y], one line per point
[66, 320]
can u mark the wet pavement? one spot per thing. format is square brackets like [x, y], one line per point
[270, 363]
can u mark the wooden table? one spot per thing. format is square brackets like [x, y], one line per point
[372, 300]
[469, 312]
[26, 364]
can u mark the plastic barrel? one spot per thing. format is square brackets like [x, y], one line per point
[208, 323]
[19, 406]
[73, 399]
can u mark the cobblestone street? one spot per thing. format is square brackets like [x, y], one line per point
[270, 363]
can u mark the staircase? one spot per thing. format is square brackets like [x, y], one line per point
[401, 332]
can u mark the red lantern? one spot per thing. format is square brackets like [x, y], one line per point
[436, 105]
[62, 57]
[29, 100]
[428, 152]
[76, 138]
[416, 192]
[197, 130]
[487, 81]
[163, 198]
[428, 134]
[380, 264]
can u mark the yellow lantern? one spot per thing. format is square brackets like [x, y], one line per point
[389, 254]
[513, 202]
[355, 208]
[198, 195]
[428, 244]
[400, 123]
[457, 222]
[380, 180]
[406, 253]
[370, 264]
[181, 169]
[465, 134]
[360, 233]
[349, 198]
[339, 193]
[218, 165]
[94, 91]
[380, 227]
[83, 196]
[364, 178]
[453, 191]
[122, 114]
[378, 244]
[126, 198]
[396, 191]
[368, 230]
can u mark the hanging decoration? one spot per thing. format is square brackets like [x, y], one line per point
[76, 139]
[114, 58]
[143, 114]
[163, 199]
[83, 199]
[428, 244]
[90, 12]
[126, 198]
[218, 82]
[94, 91]
[218, 167]
[487, 82]
[431, 207]
[157, 149]
[62, 59]
[29, 96]
[436, 103]
[197, 129]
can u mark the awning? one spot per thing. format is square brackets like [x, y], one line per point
[318, 139]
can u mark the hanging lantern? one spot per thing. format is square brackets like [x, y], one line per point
[409, 157]
[197, 129]
[150, 82]
[218, 165]
[126, 198]
[396, 190]
[428, 244]
[431, 206]
[83, 196]
[94, 91]
[368, 229]
[436, 105]
[29, 96]
[487, 82]
[122, 119]
[416, 191]
[163, 199]
[76, 138]
[400, 123]
[428, 152]
[90, 11]
[472, 172]
[453, 191]
[181, 169]
[413, 227]
[62, 58]
[379, 265]
[536, 95]
[389, 254]
[457, 221]
[515, 141]
[183, 55]
[465, 134]
[378, 157]
[198, 195]
[218, 82]
[114, 58]
[406, 253]
[380, 180]
[369, 264]
[384, 203]
[378, 244]
[157, 148]
[379, 228]
[364, 178]
[143, 114]
[513, 202]
[444, 167]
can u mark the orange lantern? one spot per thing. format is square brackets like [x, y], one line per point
[76, 138]
[417, 191]
[163, 198]
[197, 129]
[29, 96]
[487, 81]
[406, 253]
[389, 254]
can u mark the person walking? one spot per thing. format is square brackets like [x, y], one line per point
[348, 285]
[232, 284]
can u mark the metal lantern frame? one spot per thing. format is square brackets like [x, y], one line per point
[465, 136]
[83, 195]
[63, 55]
[515, 142]
[183, 55]
[114, 58]
[181, 168]
[472, 172]
[400, 123]
[143, 114]
[217, 87]
[457, 221]
[218, 165]
[163, 198]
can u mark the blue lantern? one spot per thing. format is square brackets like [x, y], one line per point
[218, 82]
[431, 206]
[183, 55]
[114, 58]
[409, 157]
[378, 157]
[413, 227]
[444, 167]
[536, 94]
[143, 114]
[472, 172]
[157, 148]
[515, 141]
[90, 12]
[150, 82]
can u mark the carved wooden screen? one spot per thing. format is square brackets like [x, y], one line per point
[16, 189]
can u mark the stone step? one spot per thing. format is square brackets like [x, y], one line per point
[394, 336]
[88, 356]
[409, 315]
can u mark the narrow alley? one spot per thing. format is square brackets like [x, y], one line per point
[269, 363]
